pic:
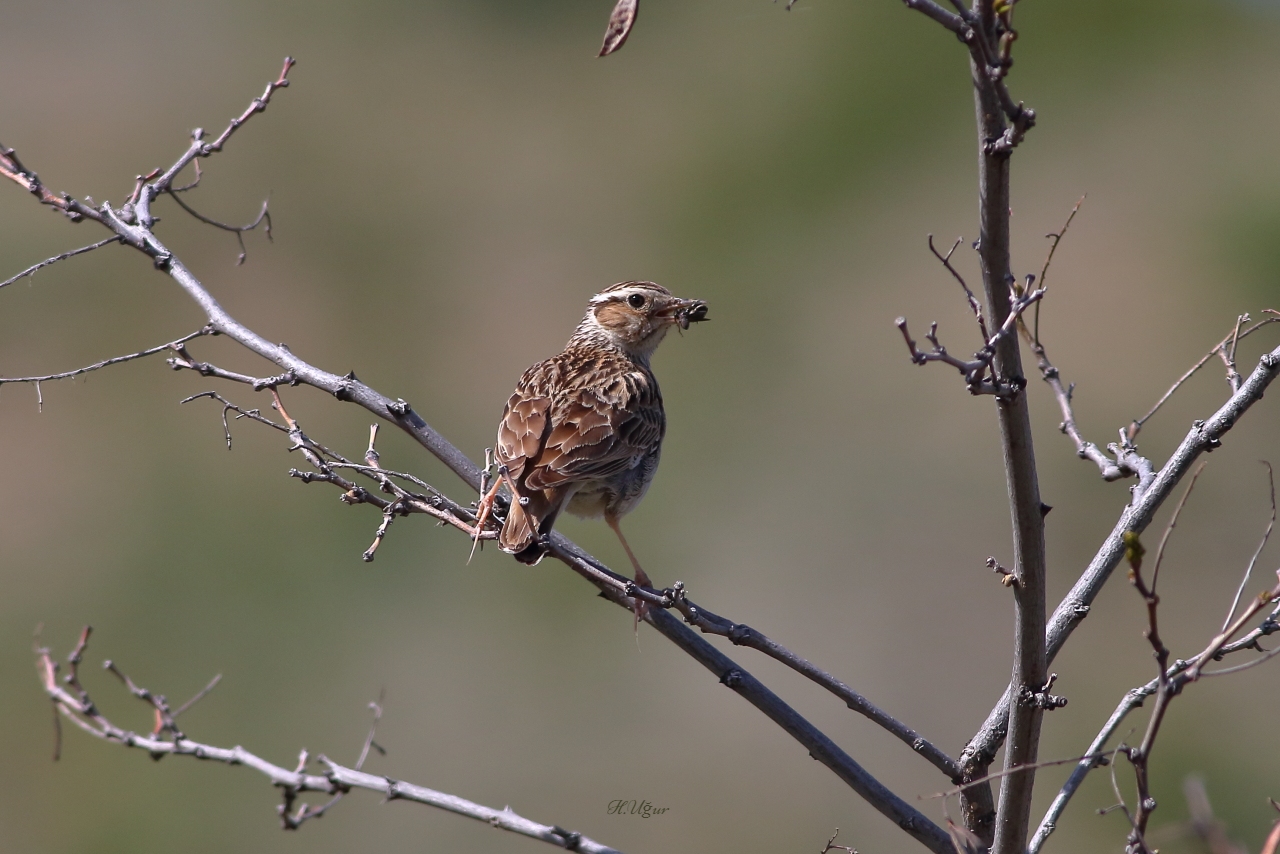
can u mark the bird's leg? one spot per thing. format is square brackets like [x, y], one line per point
[642, 578]
[484, 508]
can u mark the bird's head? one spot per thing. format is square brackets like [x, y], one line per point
[635, 316]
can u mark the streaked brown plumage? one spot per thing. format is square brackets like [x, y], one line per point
[583, 430]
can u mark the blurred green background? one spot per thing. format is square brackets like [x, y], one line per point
[449, 183]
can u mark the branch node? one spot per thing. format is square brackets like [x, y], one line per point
[1041, 698]
[1007, 577]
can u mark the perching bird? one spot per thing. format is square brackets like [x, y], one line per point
[583, 430]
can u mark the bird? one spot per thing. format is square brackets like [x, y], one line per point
[583, 430]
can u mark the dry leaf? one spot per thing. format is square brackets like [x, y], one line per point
[620, 24]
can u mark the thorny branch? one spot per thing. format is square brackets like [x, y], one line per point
[74, 704]
[1170, 681]
[1126, 460]
[674, 597]
[292, 819]
[328, 463]
[175, 345]
[133, 222]
[1147, 498]
[975, 371]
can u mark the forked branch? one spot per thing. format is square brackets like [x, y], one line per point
[134, 222]
[74, 704]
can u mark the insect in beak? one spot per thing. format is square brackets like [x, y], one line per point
[689, 311]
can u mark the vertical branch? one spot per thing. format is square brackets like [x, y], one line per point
[1029, 668]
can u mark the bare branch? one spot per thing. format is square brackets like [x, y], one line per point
[200, 695]
[291, 819]
[831, 843]
[1147, 499]
[172, 345]
[1234, 335]
[975, 370]
[743, 635]
[1266, 535]
[11, 167]
[1228, 355]
[1167, 689]
[1227, 671]
[1054, 239]
[1132, 700]
[974, 305]
[264, 215]
[1173, 523]
[337, 779]
[820, 747]
[1127, 461]
[933, 11]
[201, 149]
[56, 258]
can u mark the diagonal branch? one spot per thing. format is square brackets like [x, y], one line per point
[329, 463]
[176, 344]
[1266, 535]
[133, 223]
[49, 262]
[1232, 338]
[1147, 499]
[1133, 699]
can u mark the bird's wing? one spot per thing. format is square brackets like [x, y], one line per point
[523, 430]
[560, 427]
[597, 435]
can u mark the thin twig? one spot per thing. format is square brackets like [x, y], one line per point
[975, 370]
[56, 258]
[1132, 700]
[1234, 335]
[1229, 355]
[974, 305]
[1054, 239]
[292, 820]
[151, 351]
[1173, 523]
[200, 695]
[1075, 606]
[1266, 535]
[831, 843]
[237, 230]
[1226, 671]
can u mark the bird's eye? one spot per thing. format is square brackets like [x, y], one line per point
[635, 301]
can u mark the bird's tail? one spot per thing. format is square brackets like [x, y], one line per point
[527, 524]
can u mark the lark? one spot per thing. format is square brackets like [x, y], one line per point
[583, 430]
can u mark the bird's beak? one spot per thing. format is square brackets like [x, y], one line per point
[682, 312]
